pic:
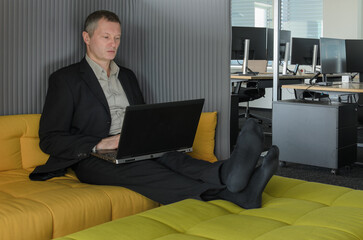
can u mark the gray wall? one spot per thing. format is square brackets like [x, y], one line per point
[179, 49]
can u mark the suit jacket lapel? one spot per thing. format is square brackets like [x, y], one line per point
[125, 86]
[91, 80]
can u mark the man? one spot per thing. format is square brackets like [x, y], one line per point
[84, 110]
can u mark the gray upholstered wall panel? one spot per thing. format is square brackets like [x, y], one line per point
[38, 37]
[178, 50]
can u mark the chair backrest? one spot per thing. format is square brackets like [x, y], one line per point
[250, 93]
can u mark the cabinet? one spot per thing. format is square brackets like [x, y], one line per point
[314, 133]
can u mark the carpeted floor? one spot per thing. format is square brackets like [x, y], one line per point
[351, 177]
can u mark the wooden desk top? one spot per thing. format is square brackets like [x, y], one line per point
[269, 76]
[354, 87]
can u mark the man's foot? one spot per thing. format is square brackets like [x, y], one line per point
[251, 196]
[236, 172]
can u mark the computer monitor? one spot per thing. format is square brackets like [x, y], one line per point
[302, 51]
[354, 53]
[332, 55]
[257, 47]
[285, 37]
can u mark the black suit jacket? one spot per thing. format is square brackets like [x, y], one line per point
[76, 116]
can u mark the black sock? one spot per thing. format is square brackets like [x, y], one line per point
[236, 171]
[251, 196]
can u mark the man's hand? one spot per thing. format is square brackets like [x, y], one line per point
[109, 142]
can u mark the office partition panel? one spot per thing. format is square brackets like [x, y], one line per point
[178, 50]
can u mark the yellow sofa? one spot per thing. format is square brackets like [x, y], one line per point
[45, 210]
[291, 210]
[60, 206]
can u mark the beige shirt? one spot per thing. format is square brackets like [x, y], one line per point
[115, 94]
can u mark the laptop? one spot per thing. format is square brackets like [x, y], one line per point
[151, 130]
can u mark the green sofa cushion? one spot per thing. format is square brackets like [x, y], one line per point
[292, 209]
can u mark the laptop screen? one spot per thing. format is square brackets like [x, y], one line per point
[160, 127]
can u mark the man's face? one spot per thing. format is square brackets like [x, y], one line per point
[103, 44]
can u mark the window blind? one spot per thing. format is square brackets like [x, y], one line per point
[243, 13]
[302, 18]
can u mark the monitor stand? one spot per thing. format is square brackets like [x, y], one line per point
[286, 59]
[315, 58]
[324, 81]
[324, 78]
[245, 69]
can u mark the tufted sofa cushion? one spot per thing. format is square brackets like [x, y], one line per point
[60, 206]
[292, 209]
[44, 210]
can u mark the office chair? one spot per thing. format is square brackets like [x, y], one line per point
[249, 93]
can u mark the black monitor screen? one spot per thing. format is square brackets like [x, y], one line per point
[285, 36]
[354, 50]
[332, 55]
[302, 50]
[257, 38]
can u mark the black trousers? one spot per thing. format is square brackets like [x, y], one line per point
[173, 177]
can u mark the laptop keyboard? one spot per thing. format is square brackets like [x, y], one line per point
[106, 155]
[110, 155]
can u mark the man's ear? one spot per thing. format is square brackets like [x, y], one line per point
[86, 37]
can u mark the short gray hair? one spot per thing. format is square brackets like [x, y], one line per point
[91, 21]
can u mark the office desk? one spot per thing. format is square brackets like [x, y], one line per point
[336, 91]
[354, 87]
[265, 80]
